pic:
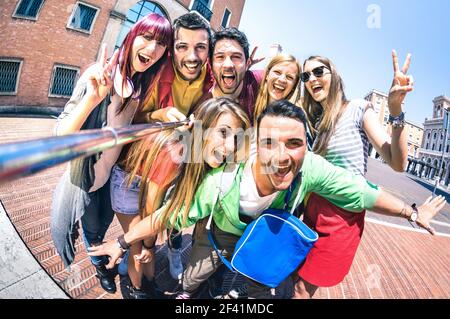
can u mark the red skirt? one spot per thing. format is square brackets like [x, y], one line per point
[340, 232]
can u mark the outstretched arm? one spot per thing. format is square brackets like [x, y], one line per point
[353, 193]
[388, 204]
[148, 227]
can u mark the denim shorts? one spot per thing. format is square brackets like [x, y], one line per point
[124, 200]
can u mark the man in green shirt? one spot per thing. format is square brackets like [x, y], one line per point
[237, 195]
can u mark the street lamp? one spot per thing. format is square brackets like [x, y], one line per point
[445, 122]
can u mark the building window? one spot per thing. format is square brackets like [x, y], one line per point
[63, 81]
[9, 76]
[28, 9]
[432, 148]
[141, 9]
[134, 14]
[226, 18]
[447, 148]
[83, 17]
[434, 136]
[202, 7]
[440, 147]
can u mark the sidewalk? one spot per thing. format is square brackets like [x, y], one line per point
[390, 262]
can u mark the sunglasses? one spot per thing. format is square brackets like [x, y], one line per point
[318, 73]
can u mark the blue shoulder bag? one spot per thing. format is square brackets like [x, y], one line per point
[272, 246]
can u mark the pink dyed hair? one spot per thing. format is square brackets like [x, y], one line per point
[144, 82]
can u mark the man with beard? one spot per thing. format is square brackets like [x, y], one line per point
[187, 76]
[230, 62]
[262, 182]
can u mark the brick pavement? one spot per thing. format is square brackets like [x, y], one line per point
[390, 263]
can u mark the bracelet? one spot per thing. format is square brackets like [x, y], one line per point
[397, 121]
[147, 247]
[403, 211]
[122, 243]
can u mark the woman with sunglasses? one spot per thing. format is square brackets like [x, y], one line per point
[107, 94]
[343, 130]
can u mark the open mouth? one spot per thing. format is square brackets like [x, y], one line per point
[143, 58]
[220, 157]
[229, 80]
[192, 67]
[282, 171]
[278, 88]
[317, 88]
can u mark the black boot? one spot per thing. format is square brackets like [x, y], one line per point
[106, 279]
[136, 293]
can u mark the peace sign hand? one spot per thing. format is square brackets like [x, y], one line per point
[401, 85]
[99, 80]
[251, 60]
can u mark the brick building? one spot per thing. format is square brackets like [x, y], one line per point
[46, 44]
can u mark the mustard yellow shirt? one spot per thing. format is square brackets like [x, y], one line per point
[185, 94]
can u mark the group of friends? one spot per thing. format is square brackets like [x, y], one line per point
[248, 134]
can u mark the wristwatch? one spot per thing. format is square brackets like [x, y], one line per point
[123, 244]
[397, 121]
[414, 213]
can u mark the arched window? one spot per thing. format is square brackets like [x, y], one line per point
[139, 10]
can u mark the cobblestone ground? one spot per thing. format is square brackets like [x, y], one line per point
[393, 261]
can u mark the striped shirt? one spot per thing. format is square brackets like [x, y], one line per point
[349, 146]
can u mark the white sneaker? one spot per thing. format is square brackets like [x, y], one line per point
[175, 265]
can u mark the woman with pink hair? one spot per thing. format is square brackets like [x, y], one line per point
[108, 93]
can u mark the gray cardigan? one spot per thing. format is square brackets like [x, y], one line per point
[71, 196]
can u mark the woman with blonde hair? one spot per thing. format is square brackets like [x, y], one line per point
[139, 191]
[281, 79]
[343, 130]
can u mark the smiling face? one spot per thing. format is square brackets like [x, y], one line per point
[145, 52]
[220, 140]
[318, 87]
[280, 154]
[190, 52]
[281, 80]
[229, 66]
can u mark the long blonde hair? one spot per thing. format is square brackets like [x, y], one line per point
[263, 94]
[323, 118]
[193, 170]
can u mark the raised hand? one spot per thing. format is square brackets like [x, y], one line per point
[110, 249]
[401, 85]
[428, 210]
[251, 60]
[99, 80]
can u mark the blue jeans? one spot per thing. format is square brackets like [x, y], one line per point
[175, 239]
[96, 220]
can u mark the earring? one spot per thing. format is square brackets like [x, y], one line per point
[124, 91]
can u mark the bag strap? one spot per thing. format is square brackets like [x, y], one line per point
[291, 188]
[297, 198]
[208, 225]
